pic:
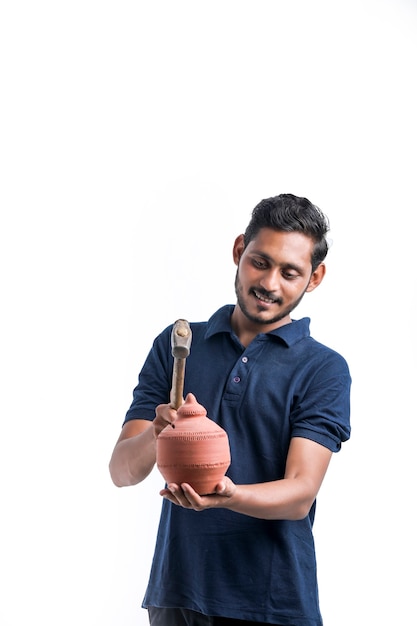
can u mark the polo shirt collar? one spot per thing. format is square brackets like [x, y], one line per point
[290, 334]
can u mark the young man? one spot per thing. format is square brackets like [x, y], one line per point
[245, 555]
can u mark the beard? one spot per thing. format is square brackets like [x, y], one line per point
[259, 319]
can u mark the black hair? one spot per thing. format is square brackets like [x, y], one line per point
[290, 213]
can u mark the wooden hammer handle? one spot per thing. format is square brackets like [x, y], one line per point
[177, 389]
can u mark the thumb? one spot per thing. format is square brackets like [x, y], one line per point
[221, 488]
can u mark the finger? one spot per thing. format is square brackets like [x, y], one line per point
[220, 489]
[194, 500]
[179, 496]
[168, 495]
[165, 414]
[165, 493]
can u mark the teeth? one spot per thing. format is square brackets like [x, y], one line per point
[263, 298]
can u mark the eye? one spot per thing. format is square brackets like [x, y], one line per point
[289, 275]
[259, 263]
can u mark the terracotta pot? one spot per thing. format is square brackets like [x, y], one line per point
[196, 451]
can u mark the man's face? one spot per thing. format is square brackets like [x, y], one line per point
[273, 274]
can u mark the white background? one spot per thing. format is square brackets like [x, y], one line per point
[136, 137]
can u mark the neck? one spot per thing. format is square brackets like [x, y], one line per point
[246, 330]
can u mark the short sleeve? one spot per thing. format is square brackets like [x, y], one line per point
[154, 380]
[322, 411]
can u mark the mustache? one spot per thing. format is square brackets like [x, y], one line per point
[268, 294]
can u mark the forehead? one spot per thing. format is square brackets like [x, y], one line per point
[282, 247]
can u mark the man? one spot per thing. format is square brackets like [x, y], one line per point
[245, 554]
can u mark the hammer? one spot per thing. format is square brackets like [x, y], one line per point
[180, 344]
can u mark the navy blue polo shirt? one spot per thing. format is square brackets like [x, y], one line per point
[283, 385]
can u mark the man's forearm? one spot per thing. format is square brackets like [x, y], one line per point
[133, 459]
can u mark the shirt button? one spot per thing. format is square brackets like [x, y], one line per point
[236, 379]
[244, 359]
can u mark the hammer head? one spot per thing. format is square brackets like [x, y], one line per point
[181, 339]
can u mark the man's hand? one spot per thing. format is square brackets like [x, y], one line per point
[185, 496]
[165, 416]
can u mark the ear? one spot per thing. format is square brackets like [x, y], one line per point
[316, 277]
[238, 248]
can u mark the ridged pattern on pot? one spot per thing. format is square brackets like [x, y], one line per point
[196, 451]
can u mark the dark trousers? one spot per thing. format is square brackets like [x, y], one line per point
[185, 617]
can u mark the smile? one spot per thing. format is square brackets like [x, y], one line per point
[263, 298]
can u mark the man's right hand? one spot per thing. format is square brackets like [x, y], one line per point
[165, 416]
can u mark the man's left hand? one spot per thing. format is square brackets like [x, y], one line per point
[185, 496]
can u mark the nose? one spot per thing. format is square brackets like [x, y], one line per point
[271, 280]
